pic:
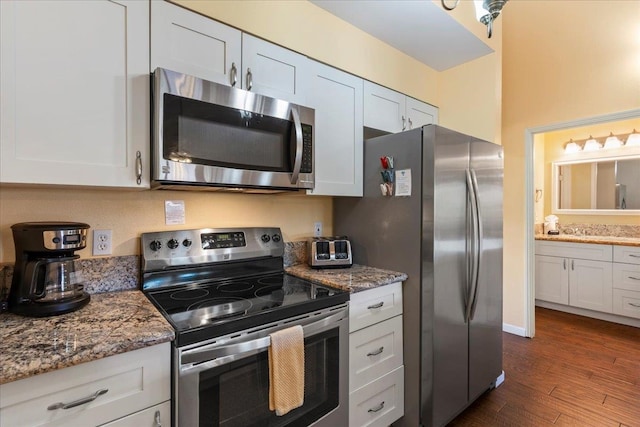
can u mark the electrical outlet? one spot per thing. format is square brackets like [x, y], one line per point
[317, 229]
[102, 242]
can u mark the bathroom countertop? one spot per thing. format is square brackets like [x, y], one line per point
[354, 279]
[112, 323]
[602, 240]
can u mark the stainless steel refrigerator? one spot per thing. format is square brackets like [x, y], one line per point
[442, 225]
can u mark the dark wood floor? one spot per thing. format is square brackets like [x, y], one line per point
[577, 371]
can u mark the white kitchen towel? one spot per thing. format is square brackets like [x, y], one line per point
[286, 370]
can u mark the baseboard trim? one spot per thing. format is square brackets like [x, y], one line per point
[629, 321]
[515, 330]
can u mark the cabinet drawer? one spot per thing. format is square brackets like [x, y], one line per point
[627, 254]
[378, 403]
[374, 352]
[575, 250]
[375, 305]
[155, 416]
[626, 276]
[134, 380]
[626, 303]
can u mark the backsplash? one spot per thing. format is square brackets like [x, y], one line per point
[613, 230]
[122, 273]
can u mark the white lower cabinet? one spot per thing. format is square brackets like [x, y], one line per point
[376, 369]
[124, 390]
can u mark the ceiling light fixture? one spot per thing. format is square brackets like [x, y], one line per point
[572, 147]
[612, 141]
[486, 11]
[592, 144]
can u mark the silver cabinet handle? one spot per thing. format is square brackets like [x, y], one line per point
[634, 305]
[249, 79]
[82, 401]
[374, 306]
[234, 74]
[377, 408]
[138, 167]
[573, 265]
[157, 419]
[410, 123]
[634, 256]
[564, 264]
[376, 352]
[634, 278]
[403, 123]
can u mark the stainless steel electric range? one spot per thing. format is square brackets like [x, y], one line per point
[224, 291]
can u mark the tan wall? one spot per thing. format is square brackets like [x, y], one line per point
[555, 70]
[303, 27]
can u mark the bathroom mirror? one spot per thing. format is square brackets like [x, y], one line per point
[608, 186]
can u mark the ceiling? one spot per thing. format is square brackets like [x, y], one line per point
[420, 28]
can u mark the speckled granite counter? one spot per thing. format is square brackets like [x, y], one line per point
[602, 240]
[112, 323]
[355, 279]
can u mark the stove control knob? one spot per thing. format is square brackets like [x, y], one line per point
[186, 243]
[173, 243]
[265, 238]
[155, 245]
[276, 238]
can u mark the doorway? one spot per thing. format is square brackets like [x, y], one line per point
[531, 136]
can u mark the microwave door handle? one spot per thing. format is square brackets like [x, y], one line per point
[205, 355]
[297, 163]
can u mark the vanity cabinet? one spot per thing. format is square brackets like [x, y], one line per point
[393, 112]
[376, 367]
[575, 274]
[74, 78]
[128, 389]
[336, 97]
[626, 281]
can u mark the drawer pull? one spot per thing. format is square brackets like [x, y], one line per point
[158, 420]
[78, 402]
[634, 255]
[634, 305]
[374, 306]
[375, 353]
[377, 408]
[634, 278]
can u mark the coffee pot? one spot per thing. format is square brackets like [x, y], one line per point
[45, 281]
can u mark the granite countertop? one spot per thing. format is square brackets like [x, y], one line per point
[355, 279]
[112, 323]
[602, 240]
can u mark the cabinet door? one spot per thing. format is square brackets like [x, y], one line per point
[590, 285]
[337, 99]
[552, 279]
[190, 43]
[74, 78]
[420, 113]
[274, 71]
[384, 109]
[156, 416]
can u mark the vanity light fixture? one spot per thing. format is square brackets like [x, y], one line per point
[633, 140]
[572, 147]
[612, 141]
[592, 144]
[486, 11]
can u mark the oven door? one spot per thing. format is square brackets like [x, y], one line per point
[211, 134]
[226, 382]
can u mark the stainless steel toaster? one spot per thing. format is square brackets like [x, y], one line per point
[330, 252]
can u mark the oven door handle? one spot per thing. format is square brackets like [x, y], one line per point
[210, 354]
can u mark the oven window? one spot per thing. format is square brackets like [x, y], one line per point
[215, 135]
[237, 394]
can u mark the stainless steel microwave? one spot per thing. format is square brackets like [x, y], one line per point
[211, 136]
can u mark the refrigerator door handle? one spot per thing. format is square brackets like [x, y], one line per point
[478, 245]
[471, 188]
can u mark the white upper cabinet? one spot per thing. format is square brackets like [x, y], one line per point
[393, 112]
[337, 99]
[193, 44]
[74, 78]
[274, 71]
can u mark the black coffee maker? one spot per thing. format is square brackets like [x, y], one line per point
[45, 282]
